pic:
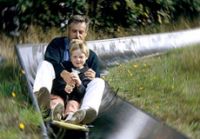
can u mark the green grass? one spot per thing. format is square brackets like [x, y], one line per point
[15, 106]
[166, 86]
[18, 119]
[156, 85]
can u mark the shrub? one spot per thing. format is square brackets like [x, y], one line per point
[103, 13]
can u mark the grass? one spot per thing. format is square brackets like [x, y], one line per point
[166, 86]
[156, 85]
[18, 119]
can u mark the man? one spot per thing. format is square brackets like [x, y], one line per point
[52, 77]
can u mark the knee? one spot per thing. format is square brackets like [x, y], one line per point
[98, 81]
[47, 64]
[48, 68]
[72, 104]
[55, 100]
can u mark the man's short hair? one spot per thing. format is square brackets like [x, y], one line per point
[79, 19]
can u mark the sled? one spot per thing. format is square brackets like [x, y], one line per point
[70, 126]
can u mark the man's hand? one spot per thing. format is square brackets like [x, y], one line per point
[90, 74]
[67, 77]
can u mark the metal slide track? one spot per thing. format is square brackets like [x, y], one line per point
[118, 119]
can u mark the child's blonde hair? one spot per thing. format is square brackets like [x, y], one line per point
[79, 44]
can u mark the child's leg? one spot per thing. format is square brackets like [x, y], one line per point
[55, 100]
[57, 107]
[71, 107]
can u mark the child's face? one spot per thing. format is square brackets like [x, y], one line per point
[78, 58]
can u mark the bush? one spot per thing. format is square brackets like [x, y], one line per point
[103, 13]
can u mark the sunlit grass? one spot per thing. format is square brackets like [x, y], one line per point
[17, 118]
[166, 86]
[152, 84]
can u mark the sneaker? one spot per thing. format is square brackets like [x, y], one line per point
[57, 112]
[83, 116]
[68, 117]
[90, 116]
[43, 99]
[77, 117]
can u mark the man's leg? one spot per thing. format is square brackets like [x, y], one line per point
[42, 86]
[91, 102]
[94, 93]
[43, 99]
[44, 77]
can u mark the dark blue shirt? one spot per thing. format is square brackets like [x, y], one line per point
[57, 53]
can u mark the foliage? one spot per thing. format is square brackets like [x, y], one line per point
[18, 119]
[49, 13]
[167, 86]
[103, 13]
[189, 8]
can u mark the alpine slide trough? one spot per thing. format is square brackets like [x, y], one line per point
[117, 119]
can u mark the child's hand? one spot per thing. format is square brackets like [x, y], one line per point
[76, 79]
[69, 88]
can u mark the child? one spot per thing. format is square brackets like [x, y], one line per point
[77, 66]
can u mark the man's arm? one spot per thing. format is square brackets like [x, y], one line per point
[54, 54]
[93, 64]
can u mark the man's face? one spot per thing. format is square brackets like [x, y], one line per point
[77, 31]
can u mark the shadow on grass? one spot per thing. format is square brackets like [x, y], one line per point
[8, 71]
[12, 81]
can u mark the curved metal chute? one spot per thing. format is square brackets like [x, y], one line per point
[118, 119]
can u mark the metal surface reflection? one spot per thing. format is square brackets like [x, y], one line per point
[122, 120]
[117, 119]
